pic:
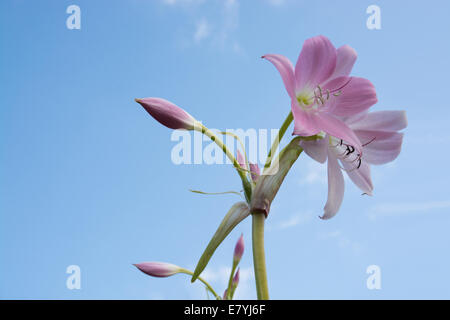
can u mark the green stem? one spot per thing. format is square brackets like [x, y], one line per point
[208, 286]
[245, 182]
[278, 138]
[259, 260]
[230, 281]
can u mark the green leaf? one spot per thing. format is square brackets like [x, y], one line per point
[215, 193]
[238, 212]
[269, 183]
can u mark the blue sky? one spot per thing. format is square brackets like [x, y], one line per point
[86, 176]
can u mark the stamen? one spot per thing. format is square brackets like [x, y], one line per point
[365, 144]
[345, 156]
[350, 149]
[342, 87]
[319, 96]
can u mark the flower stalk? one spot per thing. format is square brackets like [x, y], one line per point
[259, 260]
[208, 286]
[214, 138]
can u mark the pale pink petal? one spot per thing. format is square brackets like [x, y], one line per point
[315, 63]
[382, 121]
[304, 121]
[338, 129]
[336, 187]
[360, 176]
[316, 149]
[286, 70]
[350, 120]
[381, 146]
[356, 95]
[345, 59]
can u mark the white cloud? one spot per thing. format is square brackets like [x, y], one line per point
[399, 209]
[202, 30]
[316, 173]
[228, 26]
[295, 220]
[342, 241]
[220, 27]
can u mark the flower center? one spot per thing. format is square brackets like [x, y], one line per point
[306, 100]
[313, 99]
[345, 152]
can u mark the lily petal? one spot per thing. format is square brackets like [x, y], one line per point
[345, 59]
[316, 63]
[336, 187]
[360, 176]
[381, 147]
[338, 129]
[382, 121]
[316, 149]
[286, 70]
[357, 95]
[304, 122]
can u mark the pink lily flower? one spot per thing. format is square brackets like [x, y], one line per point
[321, 89]
[382, 143]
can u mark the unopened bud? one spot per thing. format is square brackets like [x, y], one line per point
[238, 250]
[158, 269]
[167, 113]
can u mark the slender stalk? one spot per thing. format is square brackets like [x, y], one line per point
[278, 138]
[259, 260]
[208, 286]
[230, 281]
[245, 182]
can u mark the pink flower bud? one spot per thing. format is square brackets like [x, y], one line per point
[158, 269]
[236, 279]
[238, 250]
[241, 160]
[254, 169]
[167, 113]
